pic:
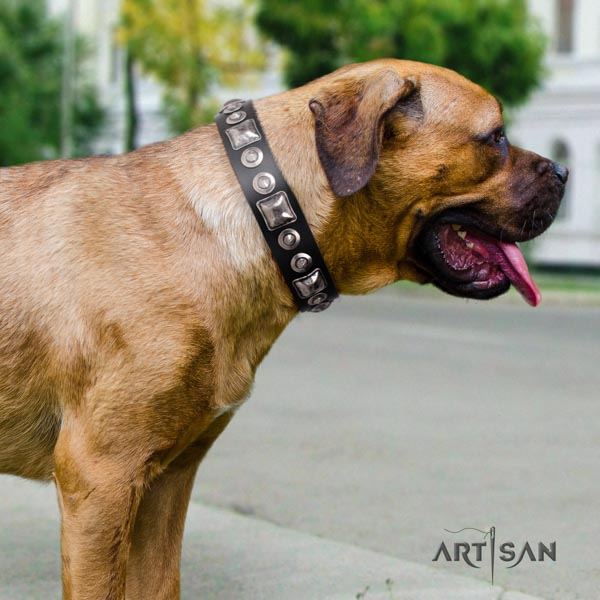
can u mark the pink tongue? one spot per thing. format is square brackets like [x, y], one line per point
[509, 259]
[515, 268]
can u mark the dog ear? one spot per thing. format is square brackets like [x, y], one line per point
[349, 124]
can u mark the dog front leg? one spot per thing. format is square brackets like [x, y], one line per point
[153, 568]
[98, 497]
[154, 558]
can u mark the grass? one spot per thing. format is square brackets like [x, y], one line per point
[567, 281]
[389, 585]
[560, 281]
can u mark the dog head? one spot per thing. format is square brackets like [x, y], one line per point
[427, 186]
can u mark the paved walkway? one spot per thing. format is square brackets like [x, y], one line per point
[227, 557]
[396, 416]
[525, 448]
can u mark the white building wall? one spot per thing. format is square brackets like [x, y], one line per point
[567, 109]
[544, 14]
[587, 29]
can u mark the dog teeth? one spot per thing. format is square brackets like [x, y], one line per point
[470, 245]
[459, 232]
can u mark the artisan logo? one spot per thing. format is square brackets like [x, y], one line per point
[489, 550]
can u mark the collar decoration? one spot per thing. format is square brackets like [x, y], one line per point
[275, 207]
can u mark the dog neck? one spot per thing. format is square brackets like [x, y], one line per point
[236, 277]
[289, 125]
[275, 207]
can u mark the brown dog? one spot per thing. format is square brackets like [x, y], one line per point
[137, 295]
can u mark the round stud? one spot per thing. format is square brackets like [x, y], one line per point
[321, 307]
[289, 239]
[252, 157]
[301, 262]
[263, 183]
[318, 299]
[232, 106]
[235, 117]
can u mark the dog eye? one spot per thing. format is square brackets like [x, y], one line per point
[499, 136]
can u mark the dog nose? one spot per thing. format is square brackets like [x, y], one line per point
[560, 171]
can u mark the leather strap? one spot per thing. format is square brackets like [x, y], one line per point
[275, 207]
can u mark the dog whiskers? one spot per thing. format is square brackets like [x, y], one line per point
[503, 228]
[523, 228]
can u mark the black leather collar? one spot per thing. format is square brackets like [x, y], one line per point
[275, 207]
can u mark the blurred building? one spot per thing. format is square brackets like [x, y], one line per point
[97, 21]
[562, 121]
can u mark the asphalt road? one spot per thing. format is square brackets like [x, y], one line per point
[389, 418]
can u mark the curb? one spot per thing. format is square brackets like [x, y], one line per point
[227, 556]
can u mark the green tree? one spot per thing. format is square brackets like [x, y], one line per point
[493, 42]
[189, 46]
[30, 87]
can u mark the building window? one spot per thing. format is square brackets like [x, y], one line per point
[564, 28]
[560, 154]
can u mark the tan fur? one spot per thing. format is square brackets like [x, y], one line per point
[137, 297]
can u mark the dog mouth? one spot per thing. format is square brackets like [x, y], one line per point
[466, 261]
